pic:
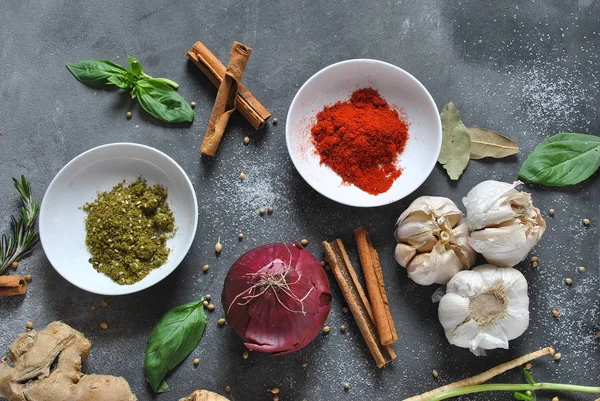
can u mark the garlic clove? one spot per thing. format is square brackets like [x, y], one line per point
[488, 203]
[417, 231]
[466, 254]
[404, 254]
[503, 246]
[424, 269]
[468, 284]
[453, 310]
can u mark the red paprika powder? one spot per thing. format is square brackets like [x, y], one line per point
[361, 139]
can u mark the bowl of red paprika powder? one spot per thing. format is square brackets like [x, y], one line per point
[363, 132]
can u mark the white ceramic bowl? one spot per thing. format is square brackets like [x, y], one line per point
[336, 82]
[62, 222]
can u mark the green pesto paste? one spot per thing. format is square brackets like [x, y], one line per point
[127, 230]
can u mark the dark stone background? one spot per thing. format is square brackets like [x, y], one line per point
[528, 70]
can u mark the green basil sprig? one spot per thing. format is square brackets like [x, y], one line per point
[563, 159]
[156, 95]
[174, 337]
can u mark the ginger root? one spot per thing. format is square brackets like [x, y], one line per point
[45, 365]
[203, 395]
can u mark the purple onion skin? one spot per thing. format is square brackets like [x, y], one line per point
[263, 322]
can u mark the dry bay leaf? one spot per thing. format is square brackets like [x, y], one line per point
[487, 143]
[456, 142]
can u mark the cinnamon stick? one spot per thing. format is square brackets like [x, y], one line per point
[369, 259]
[12, 285]
[248, 106]
[226, 98]
[345, 275]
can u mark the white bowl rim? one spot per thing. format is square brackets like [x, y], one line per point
[187, 246]
[288, 129]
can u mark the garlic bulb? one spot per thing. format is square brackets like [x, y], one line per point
[432, 241]
[484, 308]
[505, 225]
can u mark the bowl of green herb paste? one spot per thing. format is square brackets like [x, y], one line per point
[118, 218]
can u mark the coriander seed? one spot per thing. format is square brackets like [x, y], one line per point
[218, 246]
[275, 398]
[534, 264]
[568, 281]
[342, 328]
[228, 389]
[557, 356]
[528, 393]
[14, 265]
[28, 277]
[535, 258]
[275, 120]
[221, 321]
[274, 390]
[193, 104]
[245, 354]
[103, 304]
[241, 236]
[345, 310]
[205, 303]
[270, 210]
[29, 325]
[586, 222]
[304, 242]
[196, 362]
[242, 176]
[207, 297]
[555, 313]
[129, 115]
[528, 365]
[103, 326]
[554, 398]
[326, 330]
[210, 307]
[261, 211]
[322, 263]
[435, 373]
[93, 307]
[580, 268]
[346, 386]
[205, 268]
[304, 365]
[551, 212]
[246, 140]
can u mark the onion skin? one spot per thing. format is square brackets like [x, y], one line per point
[263, 322]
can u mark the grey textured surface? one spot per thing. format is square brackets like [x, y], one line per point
[528, 71]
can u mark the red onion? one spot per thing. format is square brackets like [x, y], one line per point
[276, 297]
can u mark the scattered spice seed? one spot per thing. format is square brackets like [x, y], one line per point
[275, 120]
[535, 258]
[14, 265]
[346, 386]
[205, 303]
[327, 267]
[304, 242]
[193, 104]
[210, 307]
[205, 268]
[29, 325]
[242, 176]
[343, 328]
[435, 373]
[597, 333]
[580, 268]
[274, 390]
[345, 310]
[28, 277]
[103, 304]
[207, 297]
[557, 356]
[586, 222]
[554, 398]
[218, 246]
[73, 305]
[228, 389]
[551, 212]
[275, 398]
[555, 313]
[528, 365]
[568, 281]
[261, 211]
[93, 307]
[129, 114]
[196, 362]
[534, 264]
[103, 326]
[270, 210]
[241, 236]
[245, 354]
[323, 263]
[221, 321]
[528, 393]
[326, 330]
[304, 364]
[247, 140]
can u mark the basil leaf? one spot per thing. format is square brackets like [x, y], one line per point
[563, 159]
[456, 142]
[123, 82]
[97, 72]
[174, 337]
[162, 101]
[135, 67]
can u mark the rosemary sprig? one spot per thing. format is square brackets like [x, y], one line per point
[18, 245]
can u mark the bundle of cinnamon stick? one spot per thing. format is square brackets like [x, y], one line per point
[232, 93]
[372, 313]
